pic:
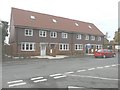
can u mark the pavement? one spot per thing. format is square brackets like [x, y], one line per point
[50, 57]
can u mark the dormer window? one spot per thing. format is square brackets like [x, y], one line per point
[55, 21]
[32, 17]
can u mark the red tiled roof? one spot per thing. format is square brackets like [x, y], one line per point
[22, 18]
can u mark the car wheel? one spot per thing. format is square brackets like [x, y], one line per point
[104, 56]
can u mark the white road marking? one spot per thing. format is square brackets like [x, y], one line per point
[81, 70]
[40, 80]
[94, 77]
[36, 78]
[14, 81]
[91, 68]
[55, 75]
[59, 76]
[69, 72]
[74, 87]
[99, 67]
[106, 66]
[114, 65]
[17, 84]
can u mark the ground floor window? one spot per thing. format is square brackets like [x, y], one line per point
[98, 46]
[78, 47]
[25, 46]
[63, 46]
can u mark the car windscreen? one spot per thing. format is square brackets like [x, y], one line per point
[99, 50]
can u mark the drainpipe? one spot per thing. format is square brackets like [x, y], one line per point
[17, 41]
[72, 44]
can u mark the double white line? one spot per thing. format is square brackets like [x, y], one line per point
[73, 87]
[16, 83]
[38, 79]
[56, 76]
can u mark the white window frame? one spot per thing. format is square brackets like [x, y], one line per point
[92, 38]
[99, 38]
[63, 47]
[87, 37]
[99, 46]
[64, 35]
[25, 46]
[78, 36]
[42, 33]
[53, 34]
[78, 47]
[27, 32]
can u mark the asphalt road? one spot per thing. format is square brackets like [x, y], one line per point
[69, 73]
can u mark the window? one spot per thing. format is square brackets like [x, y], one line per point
[92, 37]
[53, 34]
[42, 33]
[76, 24]
[25, 46]
[98, 46]
[99, 38]
[63, 46]
[54, 20]
[28, 32]
[32, 17]
[78, 36]
[64, 35]
[78, 47]
[89, 26]
[87, 37]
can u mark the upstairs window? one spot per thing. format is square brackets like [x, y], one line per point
[28, 32]
[53, 34]
[64, 35]
[78, 36]
[93, 38]
[87, 37]
[99, 38]
[42, 33]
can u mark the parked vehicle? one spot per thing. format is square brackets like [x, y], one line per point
[104, 53]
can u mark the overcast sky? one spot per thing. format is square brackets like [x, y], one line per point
[103, 13]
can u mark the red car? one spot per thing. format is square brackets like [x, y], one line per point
[104, 53]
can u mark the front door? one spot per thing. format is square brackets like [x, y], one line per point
[43, 49]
